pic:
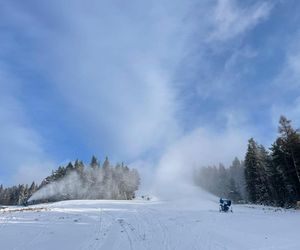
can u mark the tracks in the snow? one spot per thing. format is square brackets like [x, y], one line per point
[136, 228]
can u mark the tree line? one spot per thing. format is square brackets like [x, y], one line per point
[266, 176]
[16, 195]
[77, 181]
[273, 176]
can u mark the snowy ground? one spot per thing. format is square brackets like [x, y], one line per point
[184, 224]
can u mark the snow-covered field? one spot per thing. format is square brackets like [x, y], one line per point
[184, 224]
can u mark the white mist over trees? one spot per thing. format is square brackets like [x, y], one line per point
[200, 147]
[223, 182]
[75, 181]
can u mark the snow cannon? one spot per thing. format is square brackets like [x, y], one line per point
[29, 202]
[225, 205]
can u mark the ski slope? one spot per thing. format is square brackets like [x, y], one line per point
[184, 224]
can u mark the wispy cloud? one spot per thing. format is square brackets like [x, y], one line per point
[230, 20]
[286, 83]
[289, 75]
[114, 72]
[21, 146]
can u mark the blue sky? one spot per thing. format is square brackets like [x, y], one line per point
[131, 79]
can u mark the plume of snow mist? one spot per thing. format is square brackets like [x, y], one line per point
[91, 183]
[174, 177]
[63, 188]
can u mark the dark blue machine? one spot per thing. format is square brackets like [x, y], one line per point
[225, 205]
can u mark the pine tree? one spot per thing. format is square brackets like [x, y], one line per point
[223, 181]
[32, 189]
[276, 177]
[289, 144]
[263, 185]
[237, 172]
[20, 194]
[233, 193]
[69, 168]
[283, 165]
[251, 172]
[106, 163]
[94, 162]
[79, 166]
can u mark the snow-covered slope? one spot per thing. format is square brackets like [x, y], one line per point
[184, 224]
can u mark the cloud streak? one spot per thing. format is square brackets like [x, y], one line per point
[229, 20]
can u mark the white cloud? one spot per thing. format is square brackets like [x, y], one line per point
[286, 85]
[20, 144]
[218, 49]
[230, 20]
[289, 77]
[221, 84]
[114, 71]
